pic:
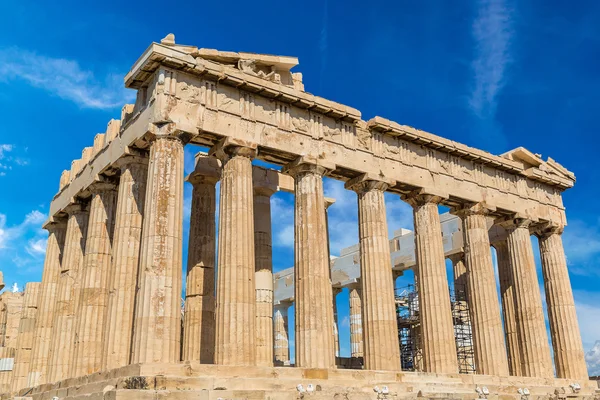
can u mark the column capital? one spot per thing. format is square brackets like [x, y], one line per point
[207, 170]
[308, 164]
[420, 197]
[456, 257]
[166, 131]
[229, 147]
[53, 224]
[76, 208]
[467, 209]
[129, 159]
[499, 244]
[329, 201]
[367, 182]
[547, 229]
[514, 222]
[101, 185]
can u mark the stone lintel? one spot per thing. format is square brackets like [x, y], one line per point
[229, 146]
[369, 181]
[308, 163]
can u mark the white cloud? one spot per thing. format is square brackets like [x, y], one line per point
[592, 358]
[36, 247]
[5, 148]
[64, 78]
[7, 160]
[10, 236]
[493, 33]
[582, 247]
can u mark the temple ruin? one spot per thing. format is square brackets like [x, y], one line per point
[106, 322]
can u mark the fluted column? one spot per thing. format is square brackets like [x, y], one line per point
[336, 333]
[507, 294]
[264, 274]
[125, 262]
[437, 331]
[40, 352]
[236, 290]
[25, 337]
[69, 288]
[356, 326]
[313, 294]
[462, 321]
[381, 346]
[459, 273]
[531, 327]
[157, 317]
[484, 309]
[280, 323]
[199, 313]
[564, 329]
[93, 298]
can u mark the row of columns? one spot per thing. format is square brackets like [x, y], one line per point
[112, 277]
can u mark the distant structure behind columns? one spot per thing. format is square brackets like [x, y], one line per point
[123, 279]
[40, 352]
[157, 330]
[199, 312]
[336, 333]
[564, 328]
[25, 336]
[280, 336]
[437, 331]
[356, 326]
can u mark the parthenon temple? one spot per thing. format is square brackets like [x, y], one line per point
[107, 320]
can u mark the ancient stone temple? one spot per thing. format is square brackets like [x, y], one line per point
[107, 321]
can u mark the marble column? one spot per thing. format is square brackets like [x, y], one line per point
[157, 317]
[356, 326]
[484, 309]
[263, 254]
[69, 287]
[437, 331]
[336, 333]
[199, 312]
[25, 336]
[569, 356]
[380, 339]
[38, 368]
[507, 294]
[123, 279]
[531, 327]
[313, 294]
[280, 323]
[236, 290]
[96, 269]
[459, 273]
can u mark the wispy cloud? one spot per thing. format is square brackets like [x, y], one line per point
[493, 32]
[63, 78]
[8, 158]
[582, 247]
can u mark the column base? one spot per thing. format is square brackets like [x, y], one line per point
[203, 381]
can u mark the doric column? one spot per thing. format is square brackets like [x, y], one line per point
[462, 320]
[507, 294]
[157, 317]
[356, 326]
[381, 346]
[263, 254]
[199, 313]
[564, 328]
[437, 332]
[313, 294]
[25, 337]
[43, 325]
[531, 327]
[459, 273]
[236, 290]
[336, 333]
[484, 310]
[280, 322]
[125, 262]
[69, 288]
[93, 298]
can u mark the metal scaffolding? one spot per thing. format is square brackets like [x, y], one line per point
[409, 328]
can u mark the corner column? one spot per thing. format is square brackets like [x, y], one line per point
[157, 318]
[564, 328]
[40, 353]
[356, 326]
[507, 294]
[282, 350]
[381, 345]
[236, 289]
[199, 313]
[437, 330]
[125, 262]
[531, 327]
[264, 274]
[69, 290]
[93, 299]
[486, 323]
[313, 293]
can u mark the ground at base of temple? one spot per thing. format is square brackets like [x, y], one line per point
[212, 382]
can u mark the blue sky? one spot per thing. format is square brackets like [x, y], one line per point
[493, 74]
